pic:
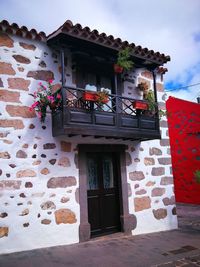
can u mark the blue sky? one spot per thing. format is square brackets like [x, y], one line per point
[168, 26]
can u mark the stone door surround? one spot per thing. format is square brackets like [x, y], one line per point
[128, 221]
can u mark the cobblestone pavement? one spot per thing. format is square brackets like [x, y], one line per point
[179, 247]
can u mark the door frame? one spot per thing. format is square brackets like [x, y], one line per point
[128, 221]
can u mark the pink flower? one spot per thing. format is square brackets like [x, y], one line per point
[50, 98]
[39, 114]
[50, 81]
[40, 83]
[58, 96]
[35, 104]
[31, 109]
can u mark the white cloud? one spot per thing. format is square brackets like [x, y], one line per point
[167, 26]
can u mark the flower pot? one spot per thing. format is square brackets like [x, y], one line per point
[139, 104]
[89, 96]
[118, 69]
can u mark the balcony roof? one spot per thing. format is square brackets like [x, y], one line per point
[101, 39]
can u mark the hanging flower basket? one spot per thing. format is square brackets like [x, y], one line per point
[139, 104]
[118, 69]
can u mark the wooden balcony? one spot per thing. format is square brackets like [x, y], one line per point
[116, 119]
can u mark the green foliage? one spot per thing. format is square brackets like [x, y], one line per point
[149, 97]
[123, 59]
[102, 97]
[197, 176]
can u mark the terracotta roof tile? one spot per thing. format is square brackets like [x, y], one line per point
[87, 34]
[114, 43]
[22, 32]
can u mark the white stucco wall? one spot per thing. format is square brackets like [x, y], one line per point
[39, 208]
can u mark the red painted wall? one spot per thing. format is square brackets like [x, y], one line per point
[184, 133]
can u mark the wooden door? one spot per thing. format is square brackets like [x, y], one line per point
[103, 193]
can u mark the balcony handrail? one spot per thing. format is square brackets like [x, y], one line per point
[112, 95]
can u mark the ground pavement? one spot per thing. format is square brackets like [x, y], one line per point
[179, 247]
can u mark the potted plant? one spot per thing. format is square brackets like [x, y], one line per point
[102, 97]
[45, 97]
[123, 61]
[98, 97]
[143, 86]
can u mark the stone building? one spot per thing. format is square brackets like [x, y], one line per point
[90, 169]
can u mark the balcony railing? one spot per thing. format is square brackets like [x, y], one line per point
[117, 118]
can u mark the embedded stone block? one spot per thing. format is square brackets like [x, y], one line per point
[149, 161]
[18, 83]
[26, 173]
[10, 184]
[150, 183]
[4, 155]
[27, 46]
[155, 151]
[5, 40]
[160, 214]
[136, 176]
[159, 87]
[164, 142]
[20, 111]
[4, 231]
[166, 180]
[21, 154]
[61, 182]
[141, 192]
[6, 68]
[156, 192]
[147, 74]
[48, 205]
[164, 161]
[7, 96]
[64, 162]
[49, 146]
[157, 171]
[24, 212]
[3, 214]
[22, 59]
[45, 221]
[142, 203]
[16, 124]
[43, 75]
[45, 171]
[169, 201]
[65, 216]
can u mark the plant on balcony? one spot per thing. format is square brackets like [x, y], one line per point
[123, 61]
[143, 86]
[102, 97]
[197, 176]
[98, 97]
[44, 97]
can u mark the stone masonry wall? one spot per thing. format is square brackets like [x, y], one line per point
[150, 180]
[38, 174]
